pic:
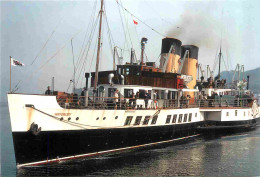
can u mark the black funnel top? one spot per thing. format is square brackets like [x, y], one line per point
[194, 51]
[166, 45]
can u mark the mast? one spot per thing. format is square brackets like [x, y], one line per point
[114, 59]
[219, 55]
[10, 74]
[99, 42]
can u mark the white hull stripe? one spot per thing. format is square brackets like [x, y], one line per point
[100, 152]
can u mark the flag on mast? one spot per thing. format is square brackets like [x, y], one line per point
[16, 62]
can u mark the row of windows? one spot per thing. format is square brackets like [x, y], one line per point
[174, 119]
[227, 113]
[187, 117]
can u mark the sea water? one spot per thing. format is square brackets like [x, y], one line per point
[229, 155]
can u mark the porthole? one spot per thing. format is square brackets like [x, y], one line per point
[104, 118]
[61, 118]
[97, 118]
[69, 118]
[116, 117]
[77, 118]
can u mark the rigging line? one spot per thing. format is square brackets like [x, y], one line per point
[88, 43]
[158, 57]
[85, 61]
[57, 52]
[87, 47]
[224, 63]
[140, 19]
[43, 47]
[92, 57]
[123, 27]
[110, 37]
[126, 22]
[101, 46]
[153, 9]
[215, 61]
[45, 44]
[108, 24]
[89, 24]
[73, 66]
[49, 60]
[137, 37]
[145, 56]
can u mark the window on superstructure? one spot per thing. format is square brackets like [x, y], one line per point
[154, 120]
[136, 71]
[244, 113]
[190, 116]
[111, 92]
[174, 118]
[119, 71]
[138, 120]
[180, 118]
[146, 120]
[235, 112]
[185, 117]
[128, 120]
[168, 119]
[196, 114]
[227, 114]
[128, 93]
[127, 72]
[162, 94]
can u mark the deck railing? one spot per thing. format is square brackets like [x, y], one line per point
[131, 103]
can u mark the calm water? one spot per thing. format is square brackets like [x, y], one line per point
[232, 155]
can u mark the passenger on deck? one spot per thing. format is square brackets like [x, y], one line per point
[146, 99]
[82, 97]
[48, 91]
[67, 101]
[155, 104]
[116, 99]
[134, 100]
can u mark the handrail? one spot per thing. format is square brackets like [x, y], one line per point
[140, 103]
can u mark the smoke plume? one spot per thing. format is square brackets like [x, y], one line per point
[197, 28]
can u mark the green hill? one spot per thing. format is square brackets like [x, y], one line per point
[254, 81]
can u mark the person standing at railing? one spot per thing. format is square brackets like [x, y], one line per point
[155, 100]
[130, 101]
[188, 100]
[82, 97]
[48, 91]
[146, 99]
[67, 101]
[134, 100]
[116, 99]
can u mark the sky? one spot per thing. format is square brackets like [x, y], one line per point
[39, 34]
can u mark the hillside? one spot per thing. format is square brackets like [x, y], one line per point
[254, 82]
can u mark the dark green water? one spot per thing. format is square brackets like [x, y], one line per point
[232, 155]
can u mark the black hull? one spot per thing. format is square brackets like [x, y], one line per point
[52, 144]
[228, 126]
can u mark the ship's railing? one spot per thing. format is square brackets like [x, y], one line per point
[138, 103]
[236, 102]
[122, 103]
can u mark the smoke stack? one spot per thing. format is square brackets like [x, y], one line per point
[190, 66]
[172, 64]
[191, 62]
